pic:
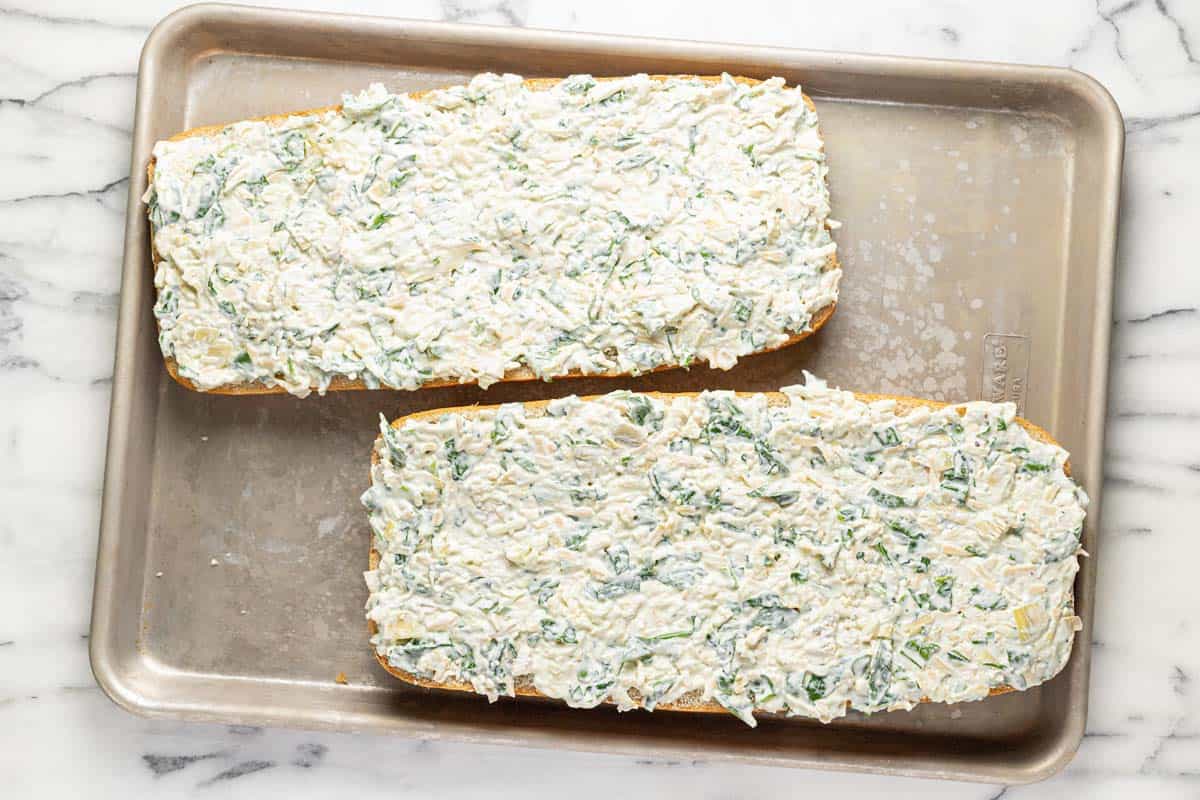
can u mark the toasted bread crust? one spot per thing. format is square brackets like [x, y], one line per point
[340, 383]
[690, 702]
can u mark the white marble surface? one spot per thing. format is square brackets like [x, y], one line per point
[67, 77]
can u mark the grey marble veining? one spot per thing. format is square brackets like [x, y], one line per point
[67, 79]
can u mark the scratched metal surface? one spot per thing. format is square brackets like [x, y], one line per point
[978, 211]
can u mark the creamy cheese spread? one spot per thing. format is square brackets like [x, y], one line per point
[594, 226]
[796, 558]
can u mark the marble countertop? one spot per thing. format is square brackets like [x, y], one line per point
[67, 80]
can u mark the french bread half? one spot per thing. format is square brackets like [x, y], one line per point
[1056, 634]
[339, 382]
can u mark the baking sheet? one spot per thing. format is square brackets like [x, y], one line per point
[979, 207]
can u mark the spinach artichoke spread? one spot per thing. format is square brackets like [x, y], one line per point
[799, 555]
[592, 226]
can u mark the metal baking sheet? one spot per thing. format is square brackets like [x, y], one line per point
[978, 204]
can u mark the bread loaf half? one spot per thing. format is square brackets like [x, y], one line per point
[497, 231]
[798, 553]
